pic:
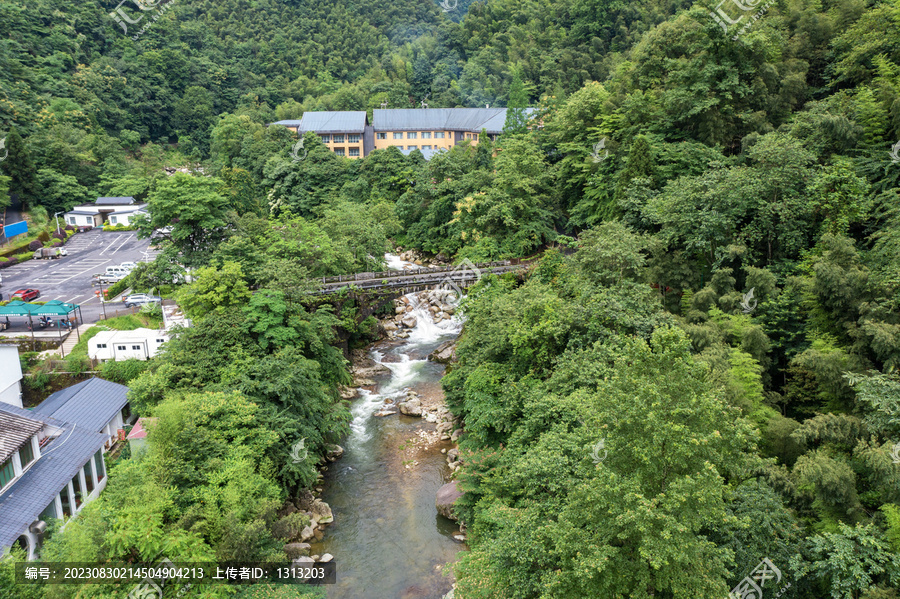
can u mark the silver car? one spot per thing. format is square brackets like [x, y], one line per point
[139, 299]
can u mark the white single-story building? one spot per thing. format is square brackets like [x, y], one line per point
[140, 344]
[10, 376]
[115, 211]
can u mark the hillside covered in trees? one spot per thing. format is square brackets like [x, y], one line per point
[717, 299]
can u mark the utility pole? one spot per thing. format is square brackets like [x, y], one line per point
[55, 215]
[102, 300]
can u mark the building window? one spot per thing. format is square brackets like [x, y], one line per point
[398, 135]
[112, 219]
[120, 347]
[353, 139]
[475, 136]
[101, 346]
[7, 472]
[73, 220]
[412, 147]
[426, 147]
[89, 476]
[136, 347]
[325, 138]
[98, 462]
[26, 454]
[66, 502]
[426, 134]
[79, 492]
[354, 151]
[126, 412]
[338, 139]
[411, 135]
[439, 135]
[339, 151]
[381, 136]
[49, 512]
[160, 340]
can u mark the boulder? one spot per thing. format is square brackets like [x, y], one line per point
[446, 497]
[334, 452]
[411, 407]
[307, 533]
[456, 434]
[321, 511]
[453, 455]
[382, 413]
[295, 550]
[409, 321]
[348, 392]
[444, 354]
[304, 560]
[326, 557]
[389, 326]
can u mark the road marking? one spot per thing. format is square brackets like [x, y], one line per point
[81, 273]
[118, 237]
[127, 239]
[72, 300]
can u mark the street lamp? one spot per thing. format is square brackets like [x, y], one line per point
[55, 215]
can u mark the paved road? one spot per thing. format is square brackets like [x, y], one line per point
[68, 279]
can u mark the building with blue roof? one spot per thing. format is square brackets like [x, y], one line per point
[51, 457]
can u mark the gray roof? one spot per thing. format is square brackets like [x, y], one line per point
[86, 212]
[288, 123]
[60, 460]
[114, 201]
[90, 404]
[426, 154]
[334, 122]
[440, 119]
[15, 431]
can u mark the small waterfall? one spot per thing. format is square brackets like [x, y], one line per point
[395, 262]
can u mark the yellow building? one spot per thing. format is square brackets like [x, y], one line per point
[428, 130]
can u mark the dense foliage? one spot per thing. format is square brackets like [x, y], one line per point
[728, 324]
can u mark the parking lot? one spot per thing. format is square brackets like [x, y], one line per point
[68, 279]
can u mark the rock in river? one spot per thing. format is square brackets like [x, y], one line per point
[446, 497]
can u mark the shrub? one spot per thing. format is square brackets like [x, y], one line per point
[60, 235]
[70, 228]
[123, 372]
[117, 288]
[44, 236]
[291, 526]
[35, 245]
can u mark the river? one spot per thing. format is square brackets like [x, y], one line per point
[387, 538]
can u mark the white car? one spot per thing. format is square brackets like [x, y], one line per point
[139, 299]
[128, 265]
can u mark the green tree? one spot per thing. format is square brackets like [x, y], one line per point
[19, 167]
[194, 212]
[214, 291]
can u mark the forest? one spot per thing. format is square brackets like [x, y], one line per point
[701, 369]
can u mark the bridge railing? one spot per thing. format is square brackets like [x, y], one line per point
[366, 276]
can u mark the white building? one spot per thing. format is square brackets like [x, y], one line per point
[51, 458]
[115, 211]
[140, 344]
[10, 376]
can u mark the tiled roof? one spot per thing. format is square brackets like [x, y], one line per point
[60, 460]
[15, 430]
[334, 122]
[426, 154]
[90, 404]
[440, 119]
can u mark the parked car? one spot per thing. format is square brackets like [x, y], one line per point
[26, 295]
[139, 299]
[105, 279]
[50, 253]
[129, 266]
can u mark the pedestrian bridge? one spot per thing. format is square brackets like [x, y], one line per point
[406, 281]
